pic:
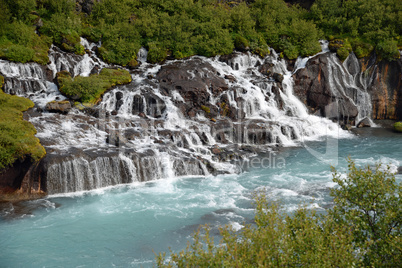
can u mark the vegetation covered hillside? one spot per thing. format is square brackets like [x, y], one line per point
[182, 28]
[17, 136]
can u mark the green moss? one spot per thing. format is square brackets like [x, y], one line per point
[224, 109]
[17, 136]
[90, 89]
[206, 109]
[398, 126]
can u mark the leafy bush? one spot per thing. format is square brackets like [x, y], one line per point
[17, 136]
[182, 28]
[120, 43]
[362, 229]
[342, 53]
[241, 43]
[388, 49]
[156, 53]
[368, 202]
[374, 21]
[90, 89]
[20, 43]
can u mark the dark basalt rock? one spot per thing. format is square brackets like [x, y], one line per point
[192, 86]
[196, 87]
[11, 177]
[385, 87]
[313, 87]
[148, 104]
[85, 6]
[382, 80]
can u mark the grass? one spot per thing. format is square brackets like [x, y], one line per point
[90, 89]
[17, 136]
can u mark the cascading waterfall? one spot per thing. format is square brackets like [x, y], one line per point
[353, 87]
[143, 131]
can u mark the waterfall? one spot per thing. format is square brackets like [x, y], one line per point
[193, 121]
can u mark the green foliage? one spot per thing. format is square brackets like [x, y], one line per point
[362, 229]
[17, 136]
[182, 28]
[374, 21]
[388, 49]
[241, 43]
[156, 53]
[90, 89]
[20, 9]
[120, 43]
[398, 126]
[368, 201]
[342, 53]
[65, 30]
[19, 42]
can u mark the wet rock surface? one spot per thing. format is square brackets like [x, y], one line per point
[186, 117]
[336, 90]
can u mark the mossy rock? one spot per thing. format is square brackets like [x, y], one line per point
[241, 43]
[398, 127]
[90, 89]
[17, 136]
[205, 109]
[335, 44]
[1, 81]
[341, 47]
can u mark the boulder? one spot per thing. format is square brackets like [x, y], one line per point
[62, 107]
[365, 122]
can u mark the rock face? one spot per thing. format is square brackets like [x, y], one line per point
[21, 181]
[386, 87]
[315, 86]
[351, 91]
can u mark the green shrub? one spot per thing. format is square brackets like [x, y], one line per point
[17, 136]
[241, 43]
[156, 53]
[361, 49]
[368, 202]
[20, 43]
[388, 49]
[90, 89]
[362, 229]
[342, 53]
[120, 44]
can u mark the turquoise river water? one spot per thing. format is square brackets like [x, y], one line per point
[123, 226]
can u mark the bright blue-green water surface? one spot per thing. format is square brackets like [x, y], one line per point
[123, 225]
